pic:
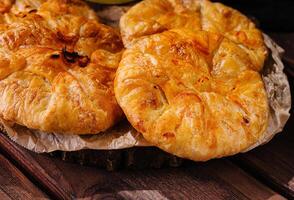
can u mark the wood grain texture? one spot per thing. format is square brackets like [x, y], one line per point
[212, 180]
[27, 163]
[14, 185]
[246, 185]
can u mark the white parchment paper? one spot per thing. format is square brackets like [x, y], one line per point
[278, 92]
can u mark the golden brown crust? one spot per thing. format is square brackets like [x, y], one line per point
[155, 16]
[5, 5]
[53, 71]
[196, 94]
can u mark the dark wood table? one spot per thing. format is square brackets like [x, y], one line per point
[266, 172]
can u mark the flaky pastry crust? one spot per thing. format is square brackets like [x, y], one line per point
[155, 16]
[57, 65]
[189, 80]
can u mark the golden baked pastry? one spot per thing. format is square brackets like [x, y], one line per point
[57, 66]
[22, 6]
[19, 6]
[192, 87]
[154, 16]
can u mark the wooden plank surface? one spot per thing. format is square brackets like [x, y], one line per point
[14, 185]
[219, 179]
[201, 181]
[27, 163]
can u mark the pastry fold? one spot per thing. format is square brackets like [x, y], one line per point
[57, 65]
[189, 80]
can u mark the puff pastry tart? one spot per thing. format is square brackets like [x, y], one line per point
[57, 65]
[189, 80]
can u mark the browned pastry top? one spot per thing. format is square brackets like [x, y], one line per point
[57, 65]
[189, 80]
